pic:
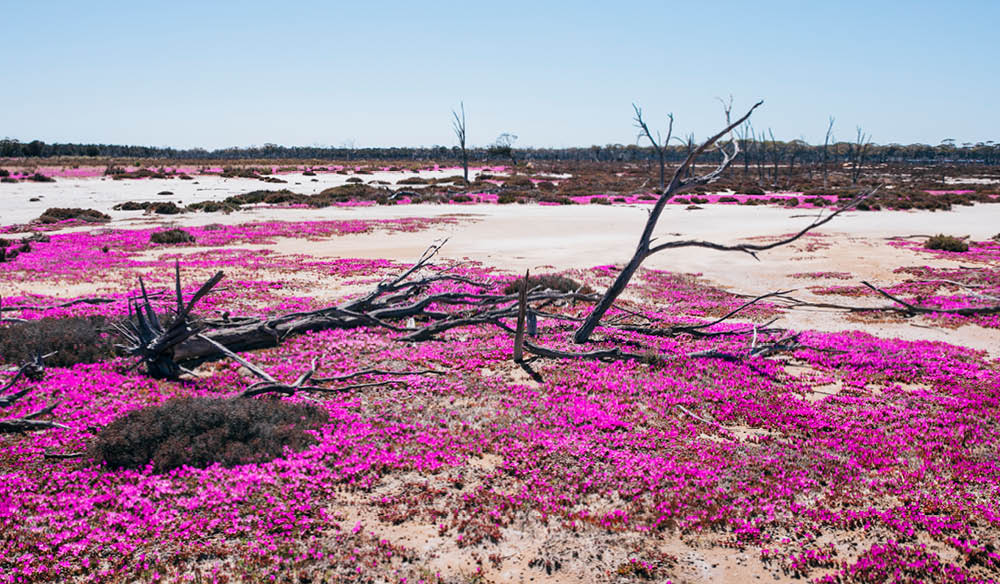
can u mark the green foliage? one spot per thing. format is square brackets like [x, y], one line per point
[171, 236]
[199, 431]
[548, 282]
[74, 339]
[57, 214]
[947, 243]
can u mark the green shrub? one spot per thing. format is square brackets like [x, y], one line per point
[131, 206]
[74, 339]
[518, 181]
[39, 177]
[727, 199]
[168, 208]
[171, 236]
[947, 243]
[57, 214]
[547, 282]
[199, 431]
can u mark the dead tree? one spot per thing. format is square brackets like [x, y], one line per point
[858, 151]
[394, 305]
[659, 144]
[34, 371]
[826, 157]
[644, 248]
[458, 125]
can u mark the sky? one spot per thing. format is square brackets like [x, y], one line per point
[327, 73]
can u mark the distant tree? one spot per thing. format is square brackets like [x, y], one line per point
[504, 147]
[458, 124]
[659, 144]
[826, 147]
[858, 151]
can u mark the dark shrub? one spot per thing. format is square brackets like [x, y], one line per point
[348, 192]
[165, 193]
[599, 201]
[212, 207]
[461, 199]
[308, 173]
[546, 186]
[57, 214]
[131, 206]
[646, 197]
[354, 180]
[7, 179]
[171, 236]
[548, 282]
[947, 243]
[199, 432]
[507, 198]
[752, 191]
[519, 181]
[75, 339]
[4, 173]
[169, 208]
[727, 199]
[39, 177]
[413, 180]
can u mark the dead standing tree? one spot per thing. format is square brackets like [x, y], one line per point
[645, 247]
[458, 125]
[659, 144]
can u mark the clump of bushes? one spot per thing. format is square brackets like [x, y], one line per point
[548, 282]
[198, 432]
[518, 181]
[171, 236]
[74, 339]
[57, 214]
[728, 199]
[946, 243]
[461, 199]
[131, 206]
[213, 207]
[39, 177]
[168, 208]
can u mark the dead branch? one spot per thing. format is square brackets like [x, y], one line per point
[33, 370]
[913, 309]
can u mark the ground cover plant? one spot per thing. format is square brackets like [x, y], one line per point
[849, 458]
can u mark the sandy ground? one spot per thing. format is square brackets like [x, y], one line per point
[545, 238]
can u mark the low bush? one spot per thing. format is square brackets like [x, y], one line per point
[171, 236]
[57, 214]
[600, 201]
[727, 199]
[39, 177]
[131, 206]
[168, 208]
[461, 199]
[548, 282]
[74, 339]
[946, 243]
[199, 431]
[519, 181]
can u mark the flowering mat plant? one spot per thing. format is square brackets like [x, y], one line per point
[848, 458]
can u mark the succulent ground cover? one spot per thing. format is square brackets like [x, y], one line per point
[852, 458]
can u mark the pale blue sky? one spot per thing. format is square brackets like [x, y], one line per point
[215, 74]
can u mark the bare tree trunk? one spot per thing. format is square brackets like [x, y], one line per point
[458, 125]
[659, 145]
[826, 145]
[643, 248]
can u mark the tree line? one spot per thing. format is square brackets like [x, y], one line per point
[758, 151]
